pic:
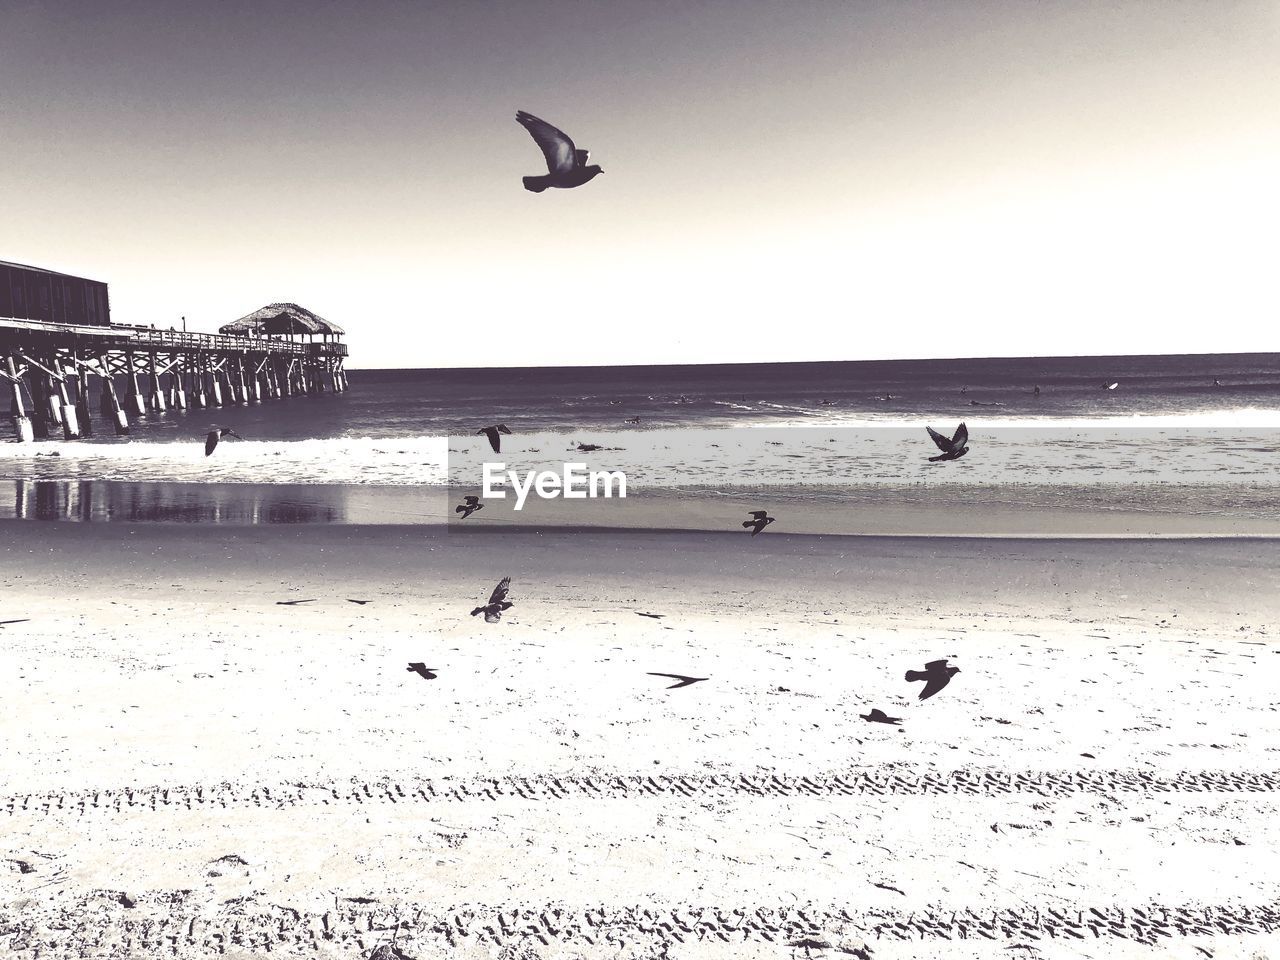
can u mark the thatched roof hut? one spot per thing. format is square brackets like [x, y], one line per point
[282, 320]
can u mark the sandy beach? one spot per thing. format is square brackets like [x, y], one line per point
[192, 769]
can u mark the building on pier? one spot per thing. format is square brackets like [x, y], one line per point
[285, 321]
[33, 293]
[57, 343]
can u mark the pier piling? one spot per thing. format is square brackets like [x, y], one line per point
[21, 422]
[82, 396]
[111, 401]
[157, 403]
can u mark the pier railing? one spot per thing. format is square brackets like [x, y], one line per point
[176, 340]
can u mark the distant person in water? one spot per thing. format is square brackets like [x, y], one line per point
[1036, 391]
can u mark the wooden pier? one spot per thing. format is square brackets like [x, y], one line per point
[53, 369]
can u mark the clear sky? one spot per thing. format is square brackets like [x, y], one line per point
[782, 181]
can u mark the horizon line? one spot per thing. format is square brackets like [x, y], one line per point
[797, 363]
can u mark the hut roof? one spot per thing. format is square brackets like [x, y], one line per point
[277, 318]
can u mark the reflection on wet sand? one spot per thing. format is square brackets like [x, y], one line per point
[88, 501]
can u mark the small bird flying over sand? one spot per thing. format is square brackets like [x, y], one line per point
[879, 716]
[936, 673]
[497, 602]
[492, 433]
[292, 603]
[361, 602]
[422, 670]
[216, 434]
[953, 448]
[468, 506]
[651, 616]
[566, 165]
[680, 679]
[760, 520]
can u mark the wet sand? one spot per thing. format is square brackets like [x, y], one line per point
[192, 769]
[1028, 510]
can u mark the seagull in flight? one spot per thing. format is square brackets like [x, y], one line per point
[680, 679]
[760, 521]
[216, 434]
[468, 506]
[879, 716]
[292, 603]
[497, 602]
[492, 433]
[566, 165]
[953, 448]
[422, 670]
[938, 675]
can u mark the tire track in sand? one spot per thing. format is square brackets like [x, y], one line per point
[166, 924]
[873, 782]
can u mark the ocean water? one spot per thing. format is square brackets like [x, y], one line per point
[1212, 422]
[434, 403]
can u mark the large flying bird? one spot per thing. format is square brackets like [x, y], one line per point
[566, 165]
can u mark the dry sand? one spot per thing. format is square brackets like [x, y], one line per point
[192, 769]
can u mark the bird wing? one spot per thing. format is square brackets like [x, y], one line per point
[961, 437]
[500, 591]
[680, 679]
[502, 428]
[470, 501]
[582, 156]
[492, 434]
[210, 442]
[556, 145]
[939, 440]
[934, 685]
[934, 665]
[759, 514]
